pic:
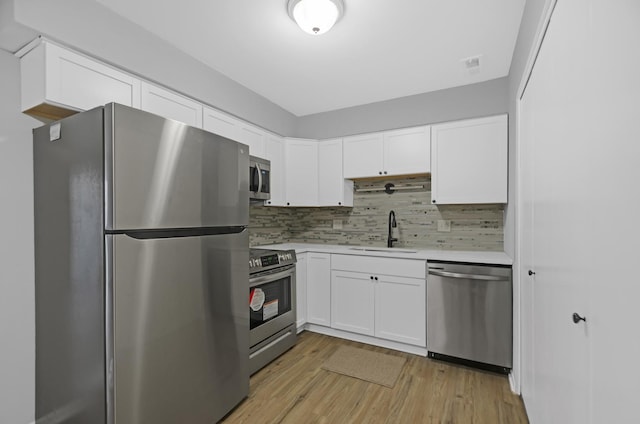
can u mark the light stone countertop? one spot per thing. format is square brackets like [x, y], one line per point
[479, 257]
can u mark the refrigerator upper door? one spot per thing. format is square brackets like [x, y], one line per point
[162, 173]
[178, 327]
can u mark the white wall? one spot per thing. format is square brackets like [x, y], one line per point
[17, 320]
[469, 101]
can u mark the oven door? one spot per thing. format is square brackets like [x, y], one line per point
[272, 297]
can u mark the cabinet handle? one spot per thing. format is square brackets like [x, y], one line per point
[339, 203]
[371, 277]
[531, 272]
[433, 201]
[577, 318]
[288, 203]
[376, 278]
[385, 172]
[379, 172]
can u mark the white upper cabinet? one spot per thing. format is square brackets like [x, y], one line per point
[254, 137]
[274, 152]
[389, 153]
[469, 161]
[170, 105]
[220, 123]
[363, 156]
[407, 151]
[57, 82]
[301, 170]
[333, 189]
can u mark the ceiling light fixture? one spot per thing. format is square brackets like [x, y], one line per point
[315, 16]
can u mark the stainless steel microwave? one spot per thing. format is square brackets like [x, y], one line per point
[259, 178]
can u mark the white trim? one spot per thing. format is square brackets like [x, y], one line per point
[547, 11]
[402, 347]
[515, 378]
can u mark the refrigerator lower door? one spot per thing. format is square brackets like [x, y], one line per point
[177, 328]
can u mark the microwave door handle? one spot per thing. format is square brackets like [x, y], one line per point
[259, 177]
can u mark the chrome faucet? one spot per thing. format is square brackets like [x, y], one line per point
[392, 224]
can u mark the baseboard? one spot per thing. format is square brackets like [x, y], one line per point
[402, 347]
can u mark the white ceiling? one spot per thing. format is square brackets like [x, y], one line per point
[379, 50]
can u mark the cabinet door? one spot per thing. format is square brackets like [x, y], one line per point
[352, 302]
[274, 152]
[254, 138]
[319, 288]
[363, 156]
[407, 151]
[401, 310]
[220, 123]
[301, 162]
[57, 82]
[170, 105]
[333, 189]
[469, 161]
[301, 289]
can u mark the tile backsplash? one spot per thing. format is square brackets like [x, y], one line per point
[473, 227]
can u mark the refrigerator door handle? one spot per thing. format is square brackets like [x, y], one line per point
[179, 232]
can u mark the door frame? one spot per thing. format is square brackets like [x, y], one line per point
[515, 378]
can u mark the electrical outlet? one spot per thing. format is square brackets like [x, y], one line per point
[337, 224]
[444, 226]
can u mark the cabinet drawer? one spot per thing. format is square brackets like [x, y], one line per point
[413, 268]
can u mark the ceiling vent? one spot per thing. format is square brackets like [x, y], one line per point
[472, 64]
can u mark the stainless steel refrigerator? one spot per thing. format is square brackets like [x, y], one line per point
[141, 254]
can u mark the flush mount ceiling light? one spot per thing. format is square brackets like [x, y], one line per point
[315, 16]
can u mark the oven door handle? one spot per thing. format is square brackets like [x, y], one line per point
[255, 281]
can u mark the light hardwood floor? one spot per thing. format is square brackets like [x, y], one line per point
[294, 389]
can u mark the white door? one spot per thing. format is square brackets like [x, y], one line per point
[301, 290]
[301, 161]
[613, 63]
[556, 240]
[170, 105]
[401, 309]
[220, 123]
[363, 156]
[274, 152]
[330, 181]
[407, 151]
[319, 288]
[352, 302]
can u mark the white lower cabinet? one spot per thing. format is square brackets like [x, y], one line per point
[366, 301]
[301, 289]
[319, 288]
[400, 307]
[352, 302]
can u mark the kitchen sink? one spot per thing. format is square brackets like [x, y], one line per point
[382, 249]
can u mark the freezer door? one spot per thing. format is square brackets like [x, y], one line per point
[177, 328]
[162, 173]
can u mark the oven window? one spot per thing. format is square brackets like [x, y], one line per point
[269, 300]
[265, 181]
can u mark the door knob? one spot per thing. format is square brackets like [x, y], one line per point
[531, 272]
[577, 318]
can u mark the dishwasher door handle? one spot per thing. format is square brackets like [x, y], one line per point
[467, 276]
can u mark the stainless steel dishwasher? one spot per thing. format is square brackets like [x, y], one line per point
[469, 314]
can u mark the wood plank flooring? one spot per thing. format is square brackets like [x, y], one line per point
[294, 389]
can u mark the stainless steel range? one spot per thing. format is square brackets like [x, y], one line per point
[272, 305]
